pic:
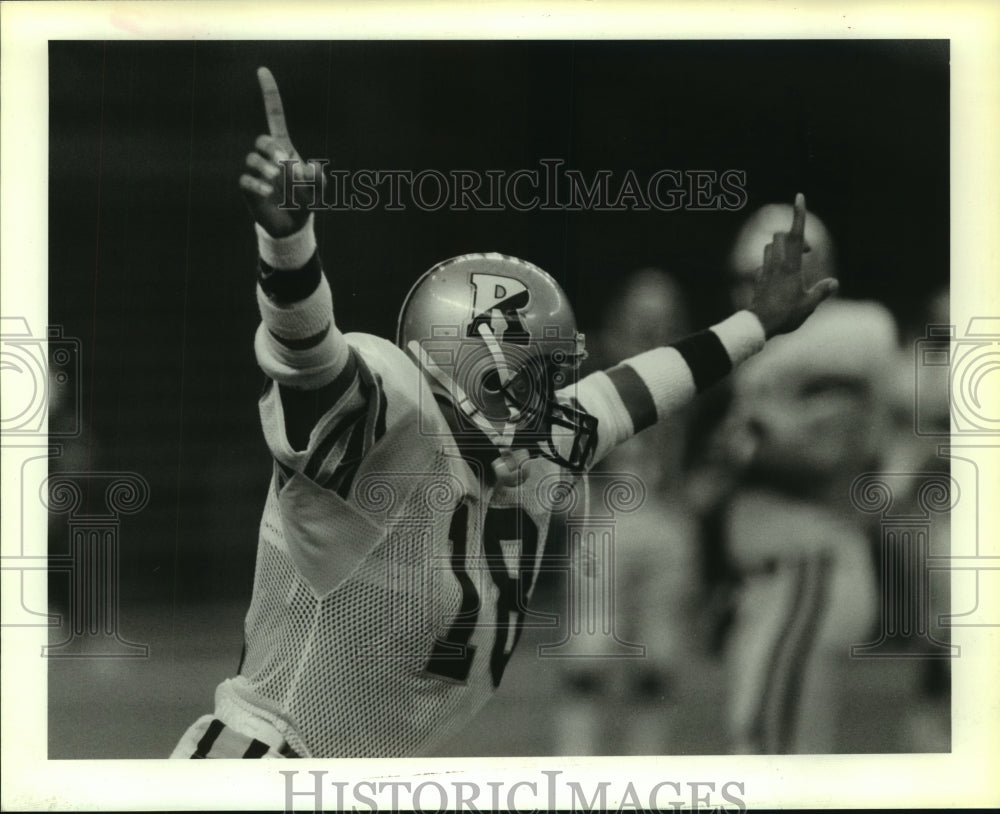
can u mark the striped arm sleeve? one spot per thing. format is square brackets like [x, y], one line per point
[327, 448]
[641, 390]
[298, 343]
[337, 459]
[299, 346]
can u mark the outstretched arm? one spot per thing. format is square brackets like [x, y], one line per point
[297, 344]
[639, 391]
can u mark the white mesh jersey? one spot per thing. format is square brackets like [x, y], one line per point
[389, 589]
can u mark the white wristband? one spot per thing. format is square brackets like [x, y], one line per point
[291, 252]
[741, 335]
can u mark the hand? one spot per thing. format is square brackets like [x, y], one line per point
[780, 299]
[263, 179]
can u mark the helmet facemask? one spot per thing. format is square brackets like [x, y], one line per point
[528, 394]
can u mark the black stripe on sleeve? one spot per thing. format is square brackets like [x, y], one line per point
[382, 407]
[366, 434]
[304, 408]
[290, 285]
[636, 396]
[343, 380]
[343, 476]
[302, 344]
[347, 479]
[256, 749]
[209, 738]
[344, 425]
[706, 356]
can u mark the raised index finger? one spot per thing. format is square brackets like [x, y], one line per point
[798, 218]
[272, 106]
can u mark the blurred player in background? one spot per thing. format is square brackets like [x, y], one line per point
[816, 413]
[928, 717]
[712, 474]
[620, 705]
[402, 530]
[808, 416]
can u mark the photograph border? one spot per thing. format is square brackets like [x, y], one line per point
[961, 778]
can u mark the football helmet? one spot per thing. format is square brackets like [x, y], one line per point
[497, 338]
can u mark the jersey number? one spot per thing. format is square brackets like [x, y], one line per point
[452, 656]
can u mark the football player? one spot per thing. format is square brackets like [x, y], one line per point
[816, 412]
[808, 415]
[413, 482]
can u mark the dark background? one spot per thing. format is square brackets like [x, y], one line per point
[152, 258]
[152, 252]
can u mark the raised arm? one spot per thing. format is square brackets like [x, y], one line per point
[297, 344]
[639, 391]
